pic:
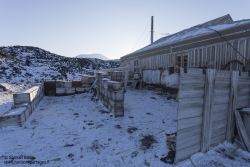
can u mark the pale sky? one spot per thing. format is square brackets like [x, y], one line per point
[108, 27]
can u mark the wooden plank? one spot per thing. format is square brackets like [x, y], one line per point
[217, 140]
[187, 142]
[219, 124]
[219, 107]
[191, 72]
[242, 131]
[190, 102]
[189, 122]
[220, 115]
[207, 110]
[219, 132]
[190, 112]
[243, 97]
[185, 92]
[188, 132]
[242, 104]
[222, 91]
[220, 100]
[232, 105]
[186, 152]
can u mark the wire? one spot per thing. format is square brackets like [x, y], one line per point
[141, 34]
[144, 38]
[161, 33]
[228, 43]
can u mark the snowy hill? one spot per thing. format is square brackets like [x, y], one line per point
[92, 55]
[46, 65]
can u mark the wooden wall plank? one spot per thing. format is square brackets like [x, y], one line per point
[188, 132]
[207, 110]
[186, 152]
[232, 105]
[189, 122]
[187, 142]
[190, 102]
[219, 124]
[190, 112]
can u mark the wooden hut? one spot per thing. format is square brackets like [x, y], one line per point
[221, 44]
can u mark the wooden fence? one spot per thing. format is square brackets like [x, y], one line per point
[207, 101]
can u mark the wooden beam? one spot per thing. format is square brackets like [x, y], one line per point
[232, 105]
[207, 110]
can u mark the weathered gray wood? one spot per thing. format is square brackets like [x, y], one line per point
[190, 102]
[126, 80]
[186, 152]
[187, 142]
[189, 112]
[242, 130]
[242, 104]
[232, 105]
[188, 132]
[220, 115]
[189, 122]
[246, 119]
[219, 124]
[207, 110]
[219, 107]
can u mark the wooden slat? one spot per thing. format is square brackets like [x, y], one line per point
[220, 115]
[222, 91]
[219, 107]
[207, 110]
[189, 122]
[187, 142]
[220, 100]
[188, 132]
[242, 104]
[186, 92]
[190, 102]
[242, 131]
[186, 152]
[219, 124]
[190, 112]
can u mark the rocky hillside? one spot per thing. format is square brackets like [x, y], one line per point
[45, 65]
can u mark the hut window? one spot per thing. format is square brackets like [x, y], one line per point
[181, 60]
[136, 63]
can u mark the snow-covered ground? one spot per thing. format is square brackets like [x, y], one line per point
[76, 131]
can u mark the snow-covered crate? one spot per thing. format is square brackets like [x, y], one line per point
[85, 79]
[117, 111]
[14, 117]
[70, 91]
[116, 103]
[84, 85]
[26, 105]
[91, 79]
[116, 95]
[113, 85]
[87, 89]
[76, 84]
[26, 96]
[59, 83]
[80, 90]
[105, 83]
[67, 84]
[50, 85]
[60, 91]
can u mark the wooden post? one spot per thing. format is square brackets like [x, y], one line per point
[141, 77]
[232, 105]
[207, 110]
[152, 28]
[126, 80]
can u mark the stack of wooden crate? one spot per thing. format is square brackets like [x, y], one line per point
[111, 94]
[62, 88]
[25, 103]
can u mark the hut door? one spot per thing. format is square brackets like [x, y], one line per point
[181, 60]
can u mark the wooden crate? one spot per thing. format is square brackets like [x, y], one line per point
[50, 85]
[26, 96]
[14, 117]
[76, 83]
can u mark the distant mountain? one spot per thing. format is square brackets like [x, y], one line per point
[45, 65]
[92, 55]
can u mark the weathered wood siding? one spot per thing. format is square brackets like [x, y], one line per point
[220, 54]
[206, 108]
